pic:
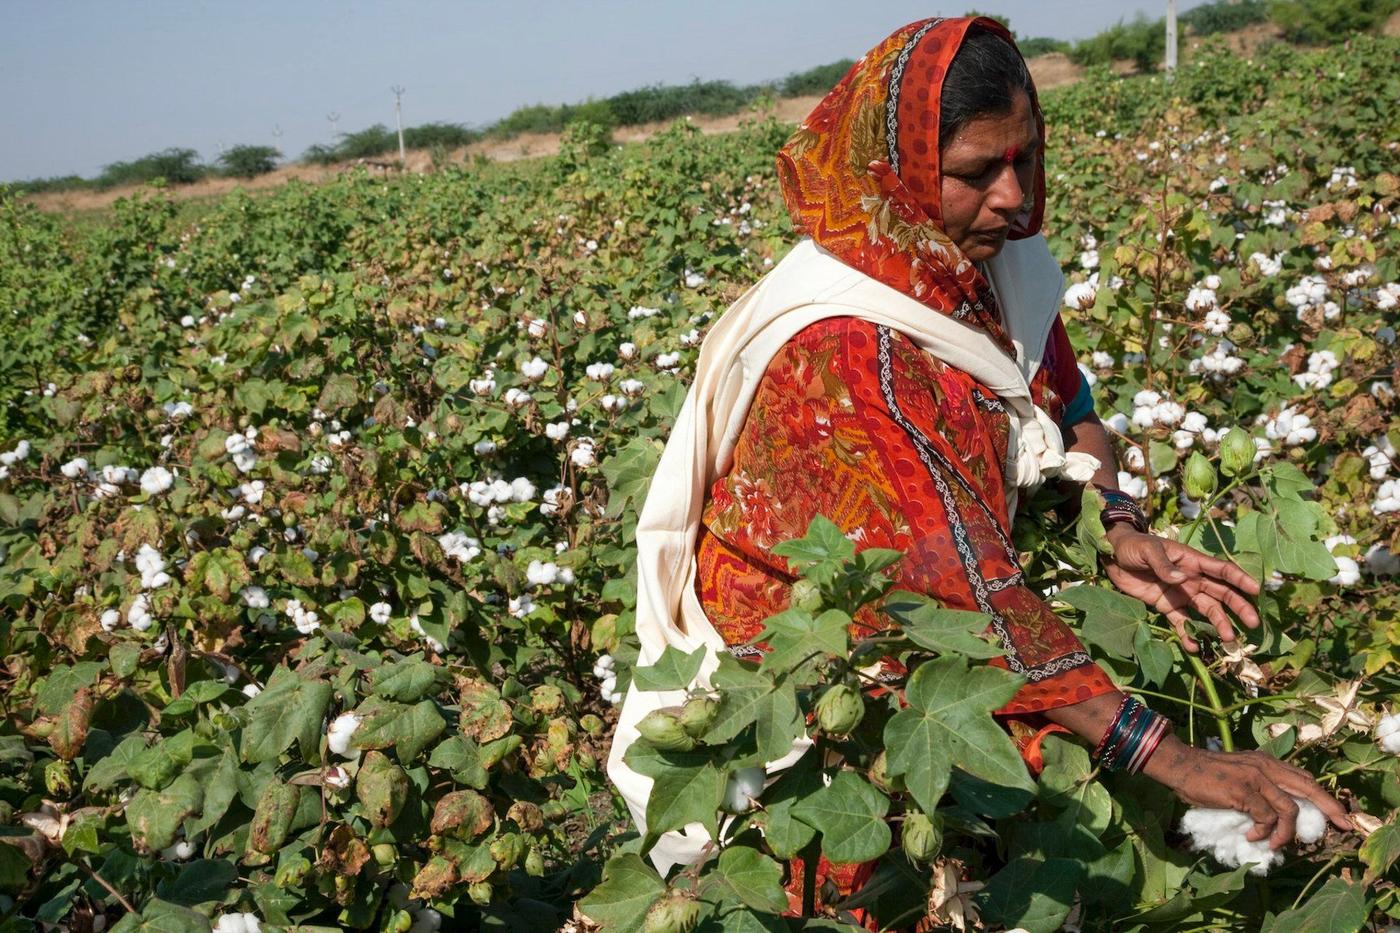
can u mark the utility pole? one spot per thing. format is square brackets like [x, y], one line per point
[277, 136]
[1171, 38]
[398, 117]
[335, 125]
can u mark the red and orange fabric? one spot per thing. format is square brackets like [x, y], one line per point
[852, 421]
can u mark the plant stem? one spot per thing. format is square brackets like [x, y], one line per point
[1222, 724]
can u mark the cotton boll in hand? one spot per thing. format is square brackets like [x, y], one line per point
[1222, 833]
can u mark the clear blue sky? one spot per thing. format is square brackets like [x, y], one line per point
[89, 83]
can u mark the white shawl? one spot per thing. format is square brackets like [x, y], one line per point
[810, 284]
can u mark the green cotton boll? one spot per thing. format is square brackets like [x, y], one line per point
[480, 893]
[1236, 452]
[1200, 477]
[806, 595]
[921, 836]
[663, 728]
[839, 710]
[697, 714]
[675, 912]
[880, 775]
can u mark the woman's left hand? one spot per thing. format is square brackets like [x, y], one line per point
[1174, 579]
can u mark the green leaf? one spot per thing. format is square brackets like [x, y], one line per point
[823, 543]
[462, 757]
[1337, 907]
[628, 472]
[681, 796]
[785, 834]
[948, 722]
[289, 709]
[339, 392]
[850, 815]
[748, 876]
[1380, 850]
[199, 882]
[410, 729]
[945, 631]
[154, 816]
[674, 670]
[1088, 529]
[112, 768]
[1288, 541]
[629, 888]
[158, 765]
[1032, 894]
[1111, 619]
[406, 681]
[163, 917]
[796, 638]
[62, 683]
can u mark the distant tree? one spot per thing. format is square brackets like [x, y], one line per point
[249, 161]
[176, 166]
[1317, 22]
[1042, 45]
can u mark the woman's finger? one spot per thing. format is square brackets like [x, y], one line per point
[1233, 600]
[1286, 808]
[1210, 608]
[1179, 621]
[1261, 812]
[1157, 559]
[1225, 570]
[1304, 786]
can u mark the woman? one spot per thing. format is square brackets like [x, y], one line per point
[904, 372]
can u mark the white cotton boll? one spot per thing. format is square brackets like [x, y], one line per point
[74, 468]
[631, 387]
[600, 372]
[534, 369]
[156, 480]
[1089, 259]
[483, 386]
[1268, 266]
[1090, 377]
[1190, 508]
[178, 851]
[245, 460]
[495, 515]
[1275, 582]
[1118, 422]
[541, 573]
[321, 464]
[380, 612]
[306, 622]
[521, 606]
[557, 431]
[554, 499]
[256, 554]
[1388, 733]
[693, 279]
[1320, 367]
[1211, 282]
[251, 690]
[1134, 486]
[252, 491]
[254, 597]
[612, 403]
[691, 338]
[637, 312]
[484, 448]
[1202, 299]
[1217, 322]
[111, 618]
[1335, 541]
[521, 489]
[338, 735]
[1311, 290]
[1133, 458]
[460, 545]
[1387, 498]
[1081, 295]
[1388, 296]
[1348, 572]
[1290, 427]
[235, 443]
[516, 397]
[1102, 360]
[1222, 833]
[537, 328]
[336, 777]
[668, 361]
[139, 615]
[1381, 562]
[501, 490]
[235, 923]
[1380, 457]
[584, 456]
[627, 350]
[234, 512]
[417, 627]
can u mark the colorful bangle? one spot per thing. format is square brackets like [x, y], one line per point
[1120, 507]
[1131, 737]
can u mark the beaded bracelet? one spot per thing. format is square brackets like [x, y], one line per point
[1120, 507]
[1131, 737]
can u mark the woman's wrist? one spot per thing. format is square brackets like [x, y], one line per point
[1169, 764]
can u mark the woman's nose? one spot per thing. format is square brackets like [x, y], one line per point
[1006, 194]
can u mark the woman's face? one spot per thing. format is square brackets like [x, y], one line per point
[988, 174]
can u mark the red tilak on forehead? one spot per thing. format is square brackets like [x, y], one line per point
[1010, 154]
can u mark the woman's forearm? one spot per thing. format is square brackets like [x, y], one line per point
[1091, 718]
[1090, 437]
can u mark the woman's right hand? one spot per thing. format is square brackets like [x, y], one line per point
[1251, 782]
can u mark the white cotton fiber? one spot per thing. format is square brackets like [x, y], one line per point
[1222, 834]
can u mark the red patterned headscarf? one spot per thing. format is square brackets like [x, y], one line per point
[861, 175]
